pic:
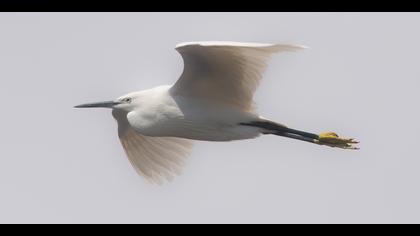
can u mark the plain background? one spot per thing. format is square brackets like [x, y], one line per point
[359, 78]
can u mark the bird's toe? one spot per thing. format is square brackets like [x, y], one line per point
[333, 140]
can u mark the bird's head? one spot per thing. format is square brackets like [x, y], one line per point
[124, 103]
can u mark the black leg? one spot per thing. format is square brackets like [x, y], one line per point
[271, 127]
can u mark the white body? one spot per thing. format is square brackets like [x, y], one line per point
[161, 113]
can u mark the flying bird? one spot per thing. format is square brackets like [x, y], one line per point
[212, 101]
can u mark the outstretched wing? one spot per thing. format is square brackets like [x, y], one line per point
[155, 158]
[227, 72]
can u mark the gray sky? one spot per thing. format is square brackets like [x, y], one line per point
[361, 78]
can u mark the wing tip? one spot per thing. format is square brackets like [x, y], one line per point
[275, 46]
[289, 47]
[303, 47]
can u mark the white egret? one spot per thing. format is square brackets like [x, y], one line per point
[212, 101]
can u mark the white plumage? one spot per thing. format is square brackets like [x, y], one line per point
[212, 101]
[232, 70]
[155, 158]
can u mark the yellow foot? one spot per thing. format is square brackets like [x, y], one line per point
[331, 139]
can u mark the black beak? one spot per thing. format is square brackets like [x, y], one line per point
[107, 104]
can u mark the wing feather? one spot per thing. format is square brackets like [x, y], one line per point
[227, 72]
[158, 159]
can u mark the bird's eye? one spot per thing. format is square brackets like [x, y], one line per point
[127, 100]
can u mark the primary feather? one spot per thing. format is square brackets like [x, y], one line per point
[155, 158]
[227, 72]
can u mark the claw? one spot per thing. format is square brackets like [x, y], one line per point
[333, 140]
